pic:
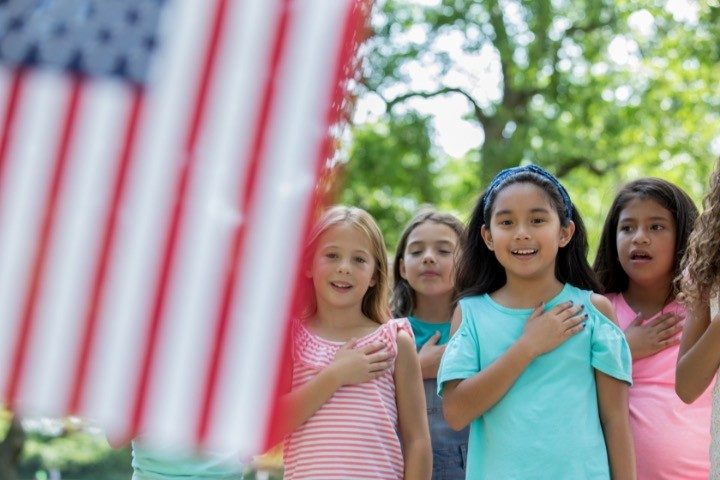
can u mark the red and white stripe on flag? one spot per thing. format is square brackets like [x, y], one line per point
[150, 234]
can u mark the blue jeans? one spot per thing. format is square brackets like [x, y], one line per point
[449, 447]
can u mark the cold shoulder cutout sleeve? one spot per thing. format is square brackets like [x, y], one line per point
[610, 352]
[461, 359]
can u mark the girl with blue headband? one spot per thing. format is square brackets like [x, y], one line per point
[537, 366]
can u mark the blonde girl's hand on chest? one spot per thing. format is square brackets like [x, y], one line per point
[546, 330]
[354, 364]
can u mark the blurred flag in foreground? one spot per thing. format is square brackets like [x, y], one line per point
[157, 166]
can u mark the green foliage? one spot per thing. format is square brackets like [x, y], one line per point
[78, 455]
[599, 92]
[393, 171]
[5, 417]
[252, 475]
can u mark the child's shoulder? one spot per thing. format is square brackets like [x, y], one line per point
[471, 302]
[595, 302]
[603, 305]
[399, 327]
[405, 341]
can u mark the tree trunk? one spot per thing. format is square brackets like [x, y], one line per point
[495, 153]
[10, 449]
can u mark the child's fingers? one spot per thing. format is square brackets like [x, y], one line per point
[379, 357]
[670, 331]
[575, 323]
[350, 344]
[371, 348]
[637, 321]
[575, 327]
[562, 308]
[665, 320]
[379, 367]
[537, 311]
[433, 340]
[578, 315]
[569, 313]
[668, 327]
[669, 342]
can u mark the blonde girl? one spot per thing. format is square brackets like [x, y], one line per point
[356, 404]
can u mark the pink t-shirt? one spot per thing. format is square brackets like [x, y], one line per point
[672, 439]
[354, 435]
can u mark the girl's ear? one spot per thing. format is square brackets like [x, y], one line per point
[402, 269]
[566, 233]
[487, 237]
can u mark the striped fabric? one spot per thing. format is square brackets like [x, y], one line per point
[355, 434]
[157, 168]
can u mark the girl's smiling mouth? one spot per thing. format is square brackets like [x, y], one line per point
[524, 252]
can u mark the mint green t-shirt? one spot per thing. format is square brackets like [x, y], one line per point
[156, 465]
[424, 330]
[547, 426]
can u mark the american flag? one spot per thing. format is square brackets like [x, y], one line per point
[157, 166]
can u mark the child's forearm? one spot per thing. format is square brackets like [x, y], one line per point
[620, 449]
[429, 368]
[301, 404]
[472, 397]
[418, 460]
[698, 366]
[615, 419]
[412, 421]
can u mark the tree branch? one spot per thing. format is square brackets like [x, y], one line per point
[569, 33]
[571, 164]
[502, 44]
[477, 110]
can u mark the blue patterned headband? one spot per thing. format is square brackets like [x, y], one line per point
[510, 172]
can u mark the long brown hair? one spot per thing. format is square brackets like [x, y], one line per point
[403, 295]
[611, 275]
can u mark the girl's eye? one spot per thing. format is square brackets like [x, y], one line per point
[624, 228]
[505, 223]
[445, 252]
[331, 255]
[416, 253]
[360, 260]
[657, 227]
[538, 220]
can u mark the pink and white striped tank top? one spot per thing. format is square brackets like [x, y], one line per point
[354, 435]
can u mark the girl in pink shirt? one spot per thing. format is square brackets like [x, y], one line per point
[643, 240]
[356, 408]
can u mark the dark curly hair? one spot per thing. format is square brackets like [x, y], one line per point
[702, 258]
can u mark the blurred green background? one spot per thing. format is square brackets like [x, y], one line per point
[599, 92]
